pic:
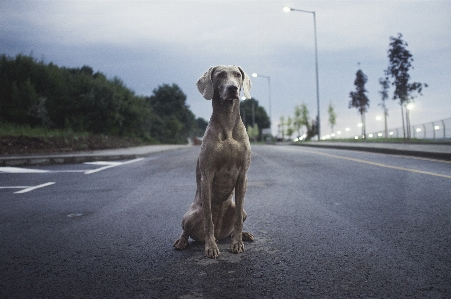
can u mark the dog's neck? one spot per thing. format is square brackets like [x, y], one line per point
[226, 113]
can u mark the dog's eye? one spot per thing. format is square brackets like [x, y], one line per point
[222, 75]
[238, 75]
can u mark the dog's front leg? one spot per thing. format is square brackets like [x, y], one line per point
[237, 245]
[211, 249]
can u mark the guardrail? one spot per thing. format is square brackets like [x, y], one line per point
[440, 129]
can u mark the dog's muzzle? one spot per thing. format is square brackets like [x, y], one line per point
[231, 92]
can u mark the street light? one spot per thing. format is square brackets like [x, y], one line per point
[255, 75]
[288, 9]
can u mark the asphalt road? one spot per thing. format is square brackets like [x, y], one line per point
[328, 224]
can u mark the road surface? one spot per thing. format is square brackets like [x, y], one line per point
[327, 224]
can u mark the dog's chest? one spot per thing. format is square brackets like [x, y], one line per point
[231, 153]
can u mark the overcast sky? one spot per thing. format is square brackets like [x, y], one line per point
[150, 43]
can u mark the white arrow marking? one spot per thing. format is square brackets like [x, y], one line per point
[28, 189]
[109, 165]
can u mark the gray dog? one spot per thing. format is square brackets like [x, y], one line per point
[222, 166]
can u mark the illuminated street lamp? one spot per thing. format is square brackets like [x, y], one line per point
[288, 9]
[255, 75]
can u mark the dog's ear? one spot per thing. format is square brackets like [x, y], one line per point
[205, 84]
[246, 83]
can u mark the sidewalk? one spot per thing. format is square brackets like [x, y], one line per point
[88, 156]
[436, 151]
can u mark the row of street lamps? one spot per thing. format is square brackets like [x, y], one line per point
[288, 9]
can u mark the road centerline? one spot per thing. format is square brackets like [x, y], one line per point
[380, 164]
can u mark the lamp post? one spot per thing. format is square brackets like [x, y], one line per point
[288, 9]
[255, 75]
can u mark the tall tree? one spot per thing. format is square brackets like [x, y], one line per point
[289, 129]
[332, 116]
[359, 99]
[282, 127]
[400, 62]
[301, 117]
[385, 84]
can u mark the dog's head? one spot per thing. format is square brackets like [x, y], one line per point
[224, 81]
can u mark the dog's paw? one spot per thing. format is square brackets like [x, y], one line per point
[211, 250]
[237, 247]
[180, 244]
[247, 236]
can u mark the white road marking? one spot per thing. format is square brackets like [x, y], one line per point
[21, 170]
[109, 165]
[26, 189]
[34, 187]
[105, 164]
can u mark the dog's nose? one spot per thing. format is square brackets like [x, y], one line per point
[232, 88]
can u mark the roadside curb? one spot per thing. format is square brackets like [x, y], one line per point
[383, 150]
[78, 157]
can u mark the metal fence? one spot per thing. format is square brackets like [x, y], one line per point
[440, 129]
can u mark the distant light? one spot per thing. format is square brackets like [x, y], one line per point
[254, 75]
[379, 134]
[437, 128]
[391, 133]
[347, 129]
[371, 135]
[243, 98]
[338, 132]
[356, 137]
[378, 117]
[410, 106]
[418, 129]
[359, 125]
[286, 9]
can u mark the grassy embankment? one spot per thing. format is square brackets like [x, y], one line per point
[24, 139]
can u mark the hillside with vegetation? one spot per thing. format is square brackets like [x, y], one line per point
[45, 106]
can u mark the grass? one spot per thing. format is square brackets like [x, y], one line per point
[13, 130]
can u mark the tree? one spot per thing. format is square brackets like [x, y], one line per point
[332, 116]
[282, 127]
[385, 84]
[253, 132]
[301, 117]
[201, 126]
[400, 62]
[174, 121]
[251, 111]
[289, 130]
[312, 129]
[359, 99]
